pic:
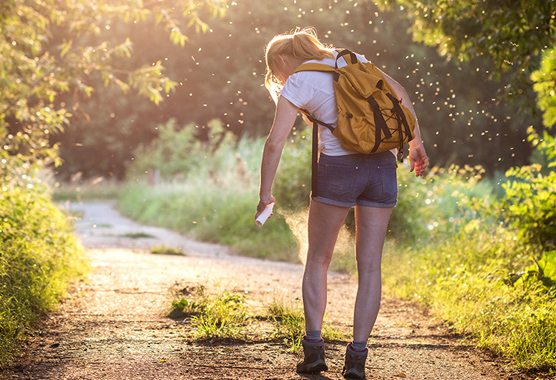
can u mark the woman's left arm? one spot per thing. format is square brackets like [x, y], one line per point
[417, 155]
[284, 119]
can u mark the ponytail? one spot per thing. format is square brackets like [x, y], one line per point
[301, 44]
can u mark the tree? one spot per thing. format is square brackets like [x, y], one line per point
[220, 74]
[511, 34]
[52, 47]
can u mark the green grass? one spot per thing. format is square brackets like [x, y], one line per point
[166, 250]
[137, 235]
[214, 316]
[222, 316]
[227, 315]
[463, 282]
[40, 258]
[289, 324]
[288, 321]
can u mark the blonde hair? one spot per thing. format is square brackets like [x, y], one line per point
[301, 44]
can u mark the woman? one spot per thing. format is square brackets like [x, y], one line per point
[373, 193]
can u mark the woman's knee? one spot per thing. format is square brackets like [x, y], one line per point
[322, 258]
[368, 263]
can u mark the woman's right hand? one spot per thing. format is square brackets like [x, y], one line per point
[263, 202]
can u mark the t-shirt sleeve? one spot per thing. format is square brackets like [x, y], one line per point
[298, 90]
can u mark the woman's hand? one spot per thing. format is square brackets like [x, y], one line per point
[417, 157]
[262, 205]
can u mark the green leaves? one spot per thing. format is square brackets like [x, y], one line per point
[545, 86]
[530, 205]
[148, 81]
[37, 69]
[546, 268]
[511, 35]
[530, 199]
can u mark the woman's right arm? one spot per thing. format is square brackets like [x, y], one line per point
[284, 119]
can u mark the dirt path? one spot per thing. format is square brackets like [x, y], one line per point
[114, 325]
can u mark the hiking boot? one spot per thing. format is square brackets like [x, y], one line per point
[314, 357]
[354, 366]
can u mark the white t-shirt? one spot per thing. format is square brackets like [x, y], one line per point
[314, 92]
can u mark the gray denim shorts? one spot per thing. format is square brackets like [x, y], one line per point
[358, 179]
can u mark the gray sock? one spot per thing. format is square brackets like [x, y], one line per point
[313, 336]
[359, 346]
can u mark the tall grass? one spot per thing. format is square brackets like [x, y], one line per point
[39, 258]
[468, 266]
[466, 280]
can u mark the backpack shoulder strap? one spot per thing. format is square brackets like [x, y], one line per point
[314, 67]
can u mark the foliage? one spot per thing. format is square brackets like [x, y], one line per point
[292, 185]
[44, 64]
[512, 35]
[530, 206]
[518, 37]
[542, 271]
[40, 258]
[545, 86]
[460, 254]
[545, 152]
[178, 151]
[530, 199]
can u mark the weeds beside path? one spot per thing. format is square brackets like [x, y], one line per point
[115, 325]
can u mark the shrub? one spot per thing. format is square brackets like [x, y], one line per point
[529, 204]
[40, 257]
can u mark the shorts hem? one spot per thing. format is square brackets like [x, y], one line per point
[333, 202]
[379, 205]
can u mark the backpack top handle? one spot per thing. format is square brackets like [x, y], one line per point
[346, 52]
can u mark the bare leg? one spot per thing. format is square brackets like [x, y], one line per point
[372, 224]
[325, 222]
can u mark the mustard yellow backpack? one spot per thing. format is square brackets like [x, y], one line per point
[371, 118]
